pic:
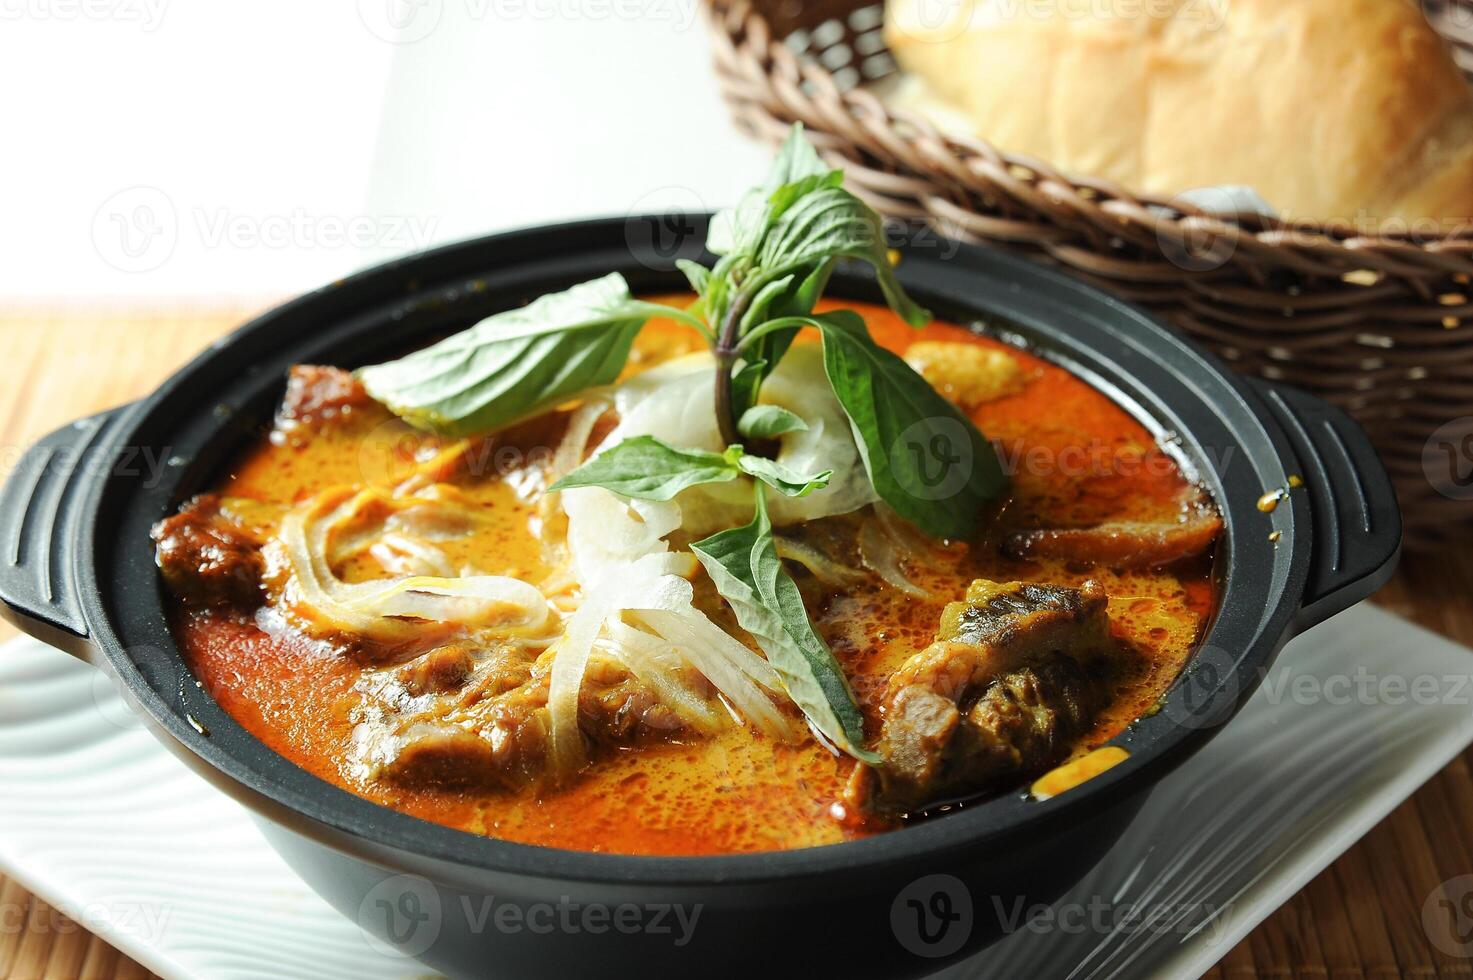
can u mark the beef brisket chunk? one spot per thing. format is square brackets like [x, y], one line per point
[1017, 673]
[453, 719]
[315, 392]
[206, 558]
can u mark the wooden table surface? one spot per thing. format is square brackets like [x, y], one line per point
[1362, 917]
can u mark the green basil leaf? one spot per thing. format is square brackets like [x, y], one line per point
[796, 160]
[831, 222]
[696, 274]
[789, 296]
[803, 297]
[515, 364]
[796, 170]
[778, 247]
[796, 297]
[926, 459]
[745, 382]
[746, 570]
[758, 363]
[784, 480]
[760, 309]
[785, 196]
[648, 469]
[768, 422]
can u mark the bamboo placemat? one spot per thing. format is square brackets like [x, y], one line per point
[1361, 918]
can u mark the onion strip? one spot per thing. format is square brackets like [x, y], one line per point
[878, 552]
[740, 676]
[642, 585]
[569, 454]
[825, 569]
[382, 609]
[649, 659]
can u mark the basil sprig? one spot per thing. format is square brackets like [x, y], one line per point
[776, 251]
[515, 364]
[769, 422]
[925, 458]
[647, 469]
[744, 564]
[778, 248]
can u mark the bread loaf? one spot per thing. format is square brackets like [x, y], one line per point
[1341, 110]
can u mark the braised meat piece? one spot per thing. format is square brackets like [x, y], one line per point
[438, 672]
[315, 392]
[419, 726]
[206, 558]
[1017, 672]
[1125, 544]
[1000, 627]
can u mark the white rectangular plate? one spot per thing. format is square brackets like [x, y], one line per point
[104, 823]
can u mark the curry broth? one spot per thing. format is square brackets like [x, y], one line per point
[1075, 458]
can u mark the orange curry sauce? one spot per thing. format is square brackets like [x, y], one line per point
[1075, 457]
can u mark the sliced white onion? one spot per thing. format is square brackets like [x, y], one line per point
[506, 605]
[570, 451]
[906, 536]
[738, 673]
[304, 538]
[606, 533]
[824, 568]
[403, 555]
[675, 402]
[382, 609]
[656, 664]
[433, 521]
[435, 469]
[643, 585]
[878, 551]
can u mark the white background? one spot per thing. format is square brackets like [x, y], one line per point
[205, 148]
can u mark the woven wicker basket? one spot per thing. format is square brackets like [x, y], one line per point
[1382, 325]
